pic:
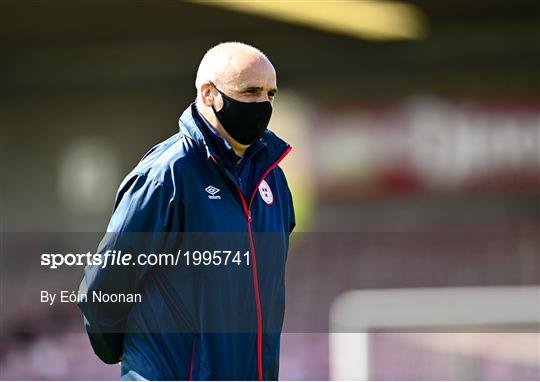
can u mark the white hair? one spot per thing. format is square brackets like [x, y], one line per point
[215, 60]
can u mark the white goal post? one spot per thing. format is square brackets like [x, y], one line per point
[357, 312]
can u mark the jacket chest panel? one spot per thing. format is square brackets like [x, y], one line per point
[213, 204]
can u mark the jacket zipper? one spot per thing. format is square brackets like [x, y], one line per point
[192, 361]
[247, 211]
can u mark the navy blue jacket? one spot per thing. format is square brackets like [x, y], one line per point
[197, 322]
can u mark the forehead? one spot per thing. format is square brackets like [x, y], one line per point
[251, 71]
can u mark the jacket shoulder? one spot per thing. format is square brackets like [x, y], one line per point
[164, 163]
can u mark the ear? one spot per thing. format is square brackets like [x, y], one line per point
[206, 94]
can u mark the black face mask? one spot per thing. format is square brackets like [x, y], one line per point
[245, 122]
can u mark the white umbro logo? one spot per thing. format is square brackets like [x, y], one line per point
[212, 191]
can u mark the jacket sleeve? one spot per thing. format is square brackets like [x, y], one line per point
[292, 218]
[144, 213]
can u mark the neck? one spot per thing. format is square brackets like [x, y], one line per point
[211, 117]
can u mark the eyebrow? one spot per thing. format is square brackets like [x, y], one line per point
[258, 88]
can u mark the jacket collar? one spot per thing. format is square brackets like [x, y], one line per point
[193, 125]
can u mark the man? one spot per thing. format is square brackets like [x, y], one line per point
[217, 185]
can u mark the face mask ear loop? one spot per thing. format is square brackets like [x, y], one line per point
[213, 108]
[215, 87]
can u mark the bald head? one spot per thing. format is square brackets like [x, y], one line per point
[240, 71]
[230, 62]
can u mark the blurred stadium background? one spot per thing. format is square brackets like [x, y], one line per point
[415, 164]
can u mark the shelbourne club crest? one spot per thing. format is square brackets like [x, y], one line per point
[266, 193]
